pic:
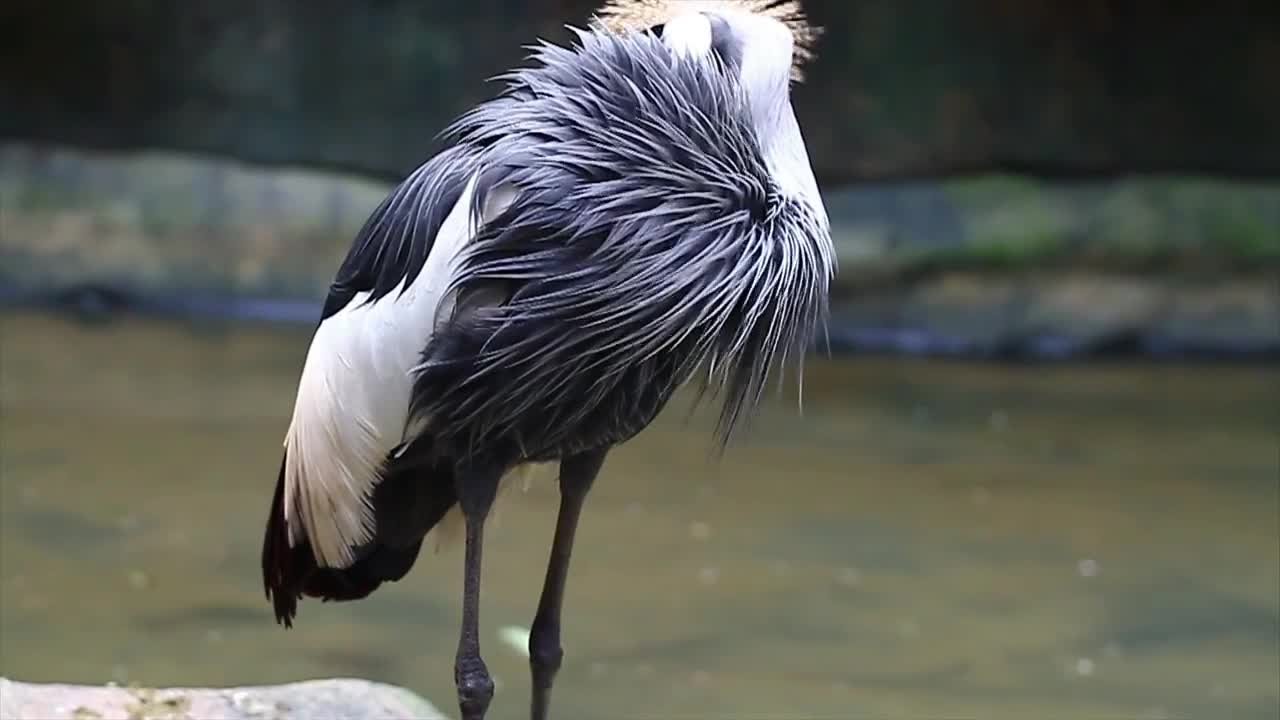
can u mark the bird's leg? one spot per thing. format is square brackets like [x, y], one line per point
[577, 473]
[476, 488]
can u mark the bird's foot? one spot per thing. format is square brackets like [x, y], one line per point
[475, 688]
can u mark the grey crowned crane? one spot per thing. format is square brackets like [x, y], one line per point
[630, 214]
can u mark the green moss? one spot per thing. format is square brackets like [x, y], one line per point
[1241, 234]
[996, 253]
[1147, 224]
[995, 189]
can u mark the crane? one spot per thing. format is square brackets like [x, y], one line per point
[631, 214]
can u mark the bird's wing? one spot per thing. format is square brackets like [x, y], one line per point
[391, 248]
[352, 399]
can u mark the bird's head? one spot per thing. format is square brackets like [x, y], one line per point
[764, 43]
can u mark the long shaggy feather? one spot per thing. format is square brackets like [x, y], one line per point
[647, 238]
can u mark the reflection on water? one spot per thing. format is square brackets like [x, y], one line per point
[927, 540]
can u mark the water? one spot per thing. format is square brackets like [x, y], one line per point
[927, 540]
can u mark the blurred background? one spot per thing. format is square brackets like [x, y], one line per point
[1037, 475]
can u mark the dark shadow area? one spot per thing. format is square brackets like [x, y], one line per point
[901, 89]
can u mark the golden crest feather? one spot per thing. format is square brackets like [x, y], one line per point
[637, 15]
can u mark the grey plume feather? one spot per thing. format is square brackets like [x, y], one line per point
[647, 239]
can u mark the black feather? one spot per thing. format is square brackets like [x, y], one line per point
[412, 497]
[392, 246]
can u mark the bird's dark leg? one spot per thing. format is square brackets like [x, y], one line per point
[577, 473]
[476, 486]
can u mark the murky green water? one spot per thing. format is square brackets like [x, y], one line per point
[928, 540]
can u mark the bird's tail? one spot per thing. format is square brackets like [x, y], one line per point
[408, 502]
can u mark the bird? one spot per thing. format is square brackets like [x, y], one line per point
[633, 212]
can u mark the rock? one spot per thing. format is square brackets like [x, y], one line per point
[1241, 318]
[310, 700]
[156, 222]
[159, 222]
[1064, 315]
[1001, 267]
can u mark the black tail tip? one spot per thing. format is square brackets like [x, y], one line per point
[284, 606]
[284, 569]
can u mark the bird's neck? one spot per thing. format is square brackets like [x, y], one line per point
[786, 156]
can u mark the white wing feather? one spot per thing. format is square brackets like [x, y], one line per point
[353, 400]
